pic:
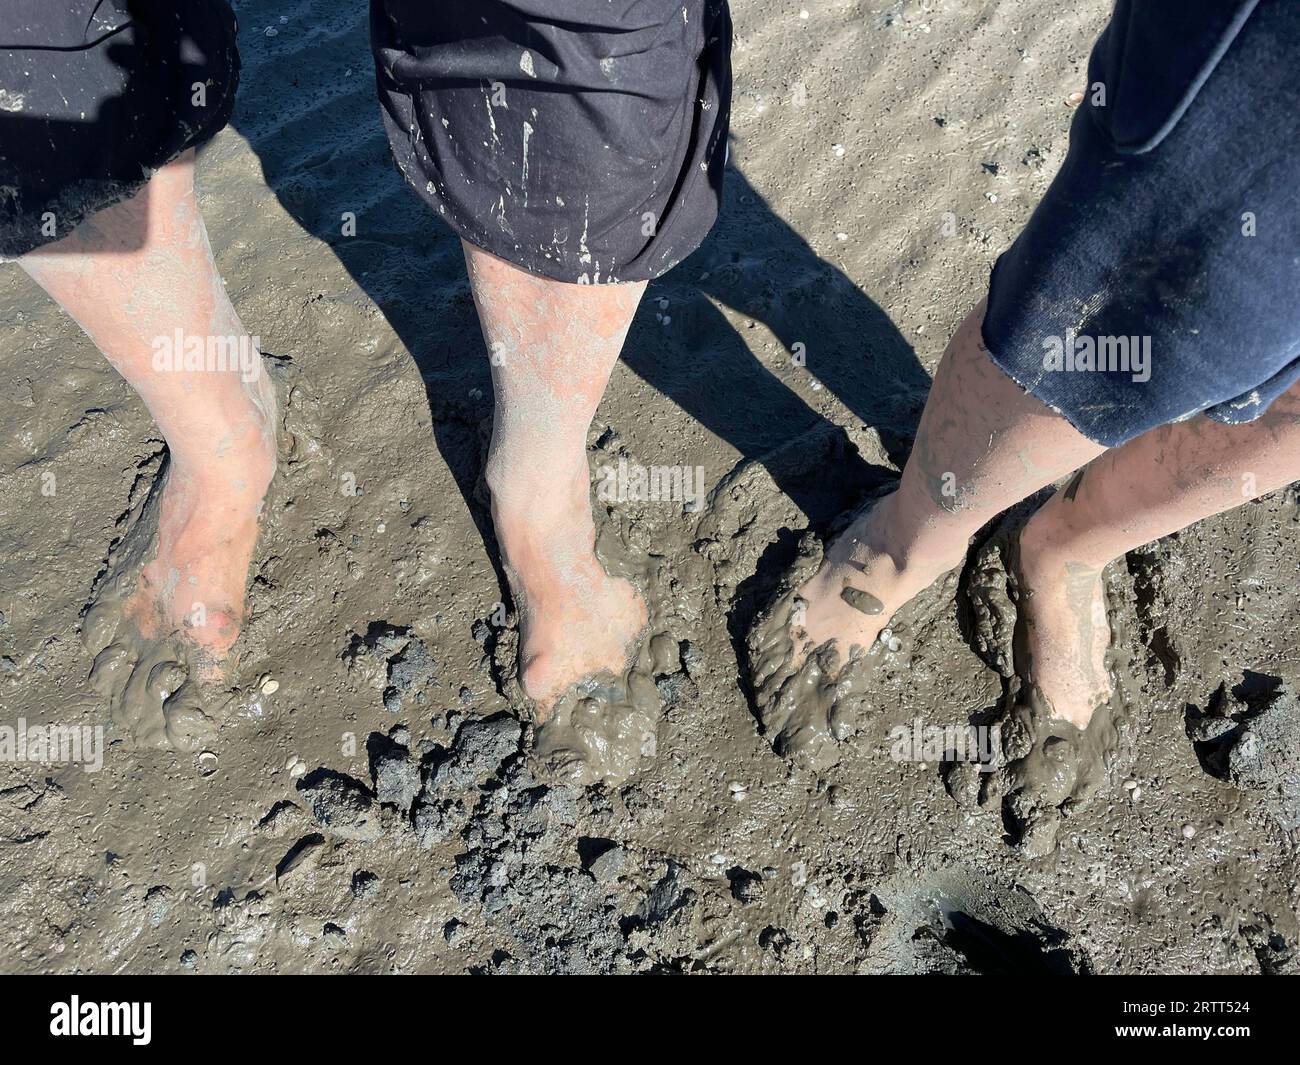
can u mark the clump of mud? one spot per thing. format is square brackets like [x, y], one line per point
[1250, 735]
[528, 863]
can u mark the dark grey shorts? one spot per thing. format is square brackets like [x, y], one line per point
[581, 141]
[97, 94]
[1160, 275]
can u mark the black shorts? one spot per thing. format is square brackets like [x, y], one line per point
[97, 94]
[581, 141]
[1159, 276]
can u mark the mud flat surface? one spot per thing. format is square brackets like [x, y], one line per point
[374, 813]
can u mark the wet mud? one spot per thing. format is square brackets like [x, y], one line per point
[376, 800]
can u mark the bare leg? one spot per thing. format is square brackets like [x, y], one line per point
[983, 445]
[1154, 485]
[553, 347]
[131, 299]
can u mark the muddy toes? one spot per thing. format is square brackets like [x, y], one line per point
[771, 650]
[605, 730]
[165, 678]
[151, 695]
[602, 736]
[100, 626]
[190, 719]
[1051, 771]
[807, 709]
[112, 670]
[808, 712]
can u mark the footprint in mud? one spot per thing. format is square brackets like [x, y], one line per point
[1049, 768]
[151, 684]
[810, 704]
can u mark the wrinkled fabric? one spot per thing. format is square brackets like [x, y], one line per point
[97, 94]
[581, 141]
[1144, 240]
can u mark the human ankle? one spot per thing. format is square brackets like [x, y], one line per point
[244, 467]
[1048, 542]
[538, 496]
[910, 555]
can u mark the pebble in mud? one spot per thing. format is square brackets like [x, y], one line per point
[1189, 831]
[609, 864]
[860, 600]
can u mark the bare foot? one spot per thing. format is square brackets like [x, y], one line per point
[1066, 635]
[1044, 616]
[577, 621]
[805, 652]
[166, 618]
[859, 587]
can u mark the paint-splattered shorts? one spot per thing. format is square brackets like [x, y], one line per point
[583, 141]
[1160, 275]
[97, 94]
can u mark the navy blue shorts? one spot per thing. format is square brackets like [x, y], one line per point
[97, 94]
[1160, 275]
[583, 141]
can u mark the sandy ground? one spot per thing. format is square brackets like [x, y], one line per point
[374, 814]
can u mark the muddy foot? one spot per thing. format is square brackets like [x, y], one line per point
[836, 618]
[602, 730]
[804, 711]
[150, 681]
[1053, 770]
[581, 666]
[1051, 765]
[163, 621]
[572, 637]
